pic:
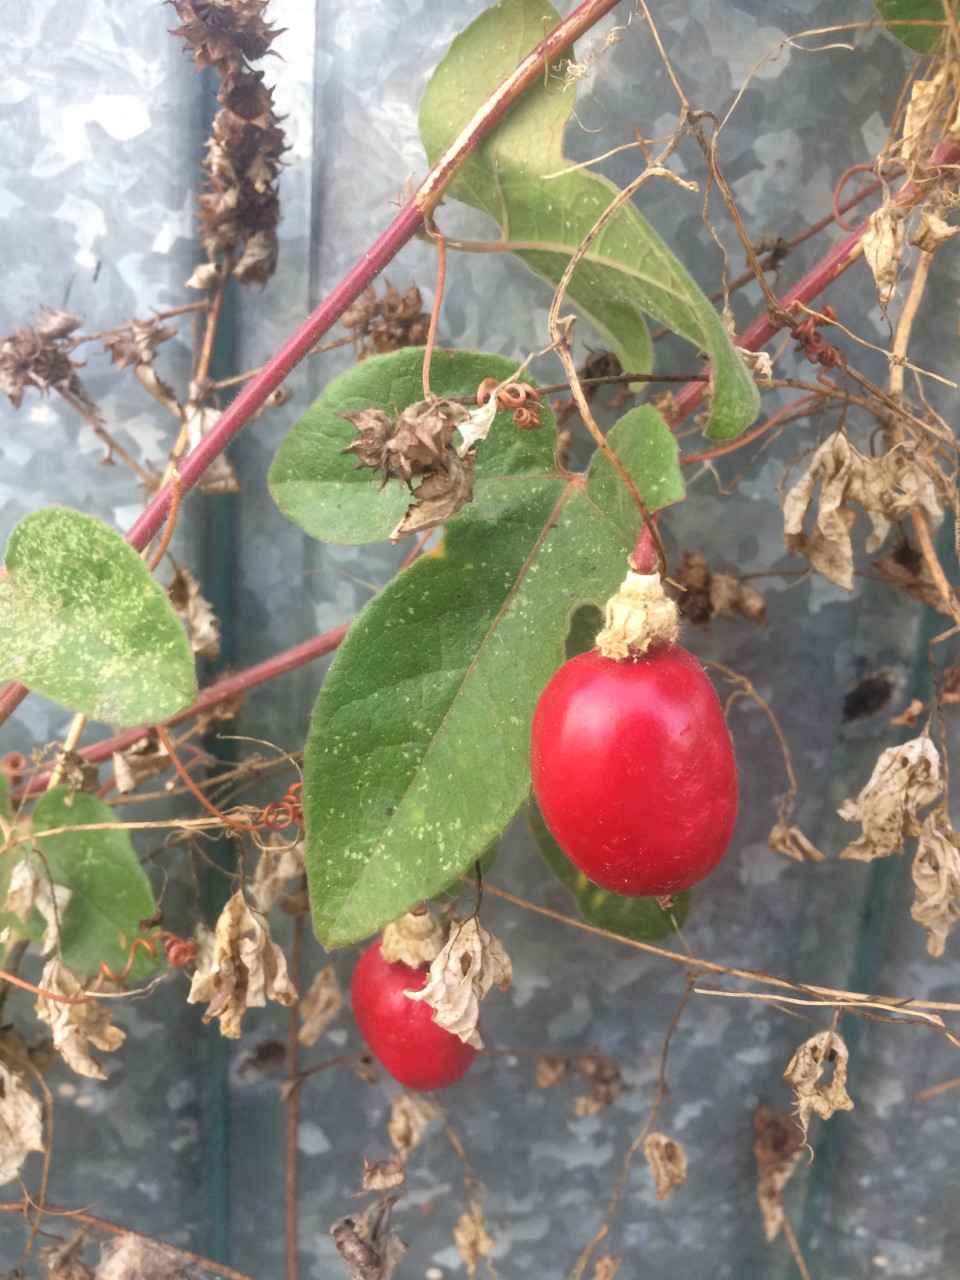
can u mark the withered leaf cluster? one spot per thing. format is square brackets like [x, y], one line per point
[602, 1071]
[378, 325]
[777, 1146]
[710, 595]
[239, 205]
[367, 1244]
[418, 443]
[819, 1091]
[77, 1025]
[40, 357]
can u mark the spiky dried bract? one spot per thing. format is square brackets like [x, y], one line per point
[240, 205]
[815, 1095]
[668, 1162]
[280, 862]
[196, 613]
[319, 1006]
[472, 1239]
[416, 938]
[378, 325]
[32, 889]
[137, 342]
[936, 878]
[21, 1124]
[40, 357]
[409, 1117]
[74, 1027]
[472, 962]
[887, 488]
[905, 779]
[777, 1146]
[238, 968]
[419, 442]
[639, 615]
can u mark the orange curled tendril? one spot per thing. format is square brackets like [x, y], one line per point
[179, 952]
[518, 397]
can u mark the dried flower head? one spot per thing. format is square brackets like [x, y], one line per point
[40, 357]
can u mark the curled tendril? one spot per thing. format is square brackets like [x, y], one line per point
[518, 397]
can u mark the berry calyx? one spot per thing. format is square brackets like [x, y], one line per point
[634, 771]
[401, 1032]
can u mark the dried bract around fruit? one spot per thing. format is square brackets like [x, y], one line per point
[416, 938]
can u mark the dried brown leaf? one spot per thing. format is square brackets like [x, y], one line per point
[196, 613]
[886, 488]
[258, 261]
[75, 1027]
[21, 1124]
[409, 1117]
[137, 343]
[904, 567]
[220, 476]
[472, 962]
[439, 496]
[905, 779]
[668, 1161]
[793, 843]
[883, 248]
[606, 1083]
[146, 759]
[280, 862]
[472, 1239]
[205, 276]
[319, 1006]
[709, 595]
[416, 938]
[32, 889]
[552, 1068]
[384, 1176]
[64, 1261]
[932, 232]
[777, 1145]
[805, 1075]
[238, 968]
[368, 1258]
[936, 878]
[131, 1257]
[909, 717]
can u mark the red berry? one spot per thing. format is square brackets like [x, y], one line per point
[634, 772]
[401, 1033]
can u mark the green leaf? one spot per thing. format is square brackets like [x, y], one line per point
[323, 491]
[83, 622]
[418, 752]
[111, 893]
[921, 39]
[638, 918]
[455, 889]
[628, 271]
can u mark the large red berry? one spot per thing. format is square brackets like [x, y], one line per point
[634, 770]
[401, 1033]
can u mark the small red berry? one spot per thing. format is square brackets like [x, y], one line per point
[633, 769]
[401, 1033]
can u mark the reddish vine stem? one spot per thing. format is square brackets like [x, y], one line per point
[279, 665]
[409, 221]
[729, 446]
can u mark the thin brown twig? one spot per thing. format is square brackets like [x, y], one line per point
[166, 314]
[171, 524]
[794, 1247]
[944, 1087]
[659, 1097]
[77, 1215]
[222, 383]
[775, 420]
[91, 415]
[293, 1099]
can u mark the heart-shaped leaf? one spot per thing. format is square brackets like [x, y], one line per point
[320, 488]
[83, 622]
[418, 752]
[110, 891]
[520, 177]
[640, 918]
